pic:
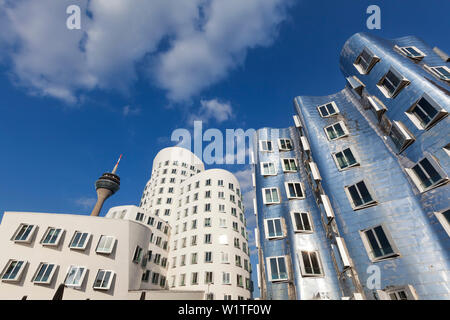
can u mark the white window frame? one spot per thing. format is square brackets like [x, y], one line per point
[106, 250]
[440, 113]
[357, 163]
[377, 107]
[409, 291]
[418, 183]
[108, 284]
[286, 142]
[88, 238]
[30, 235]
[342, 125]
[271, 189]
[261, 148]
[270, 164]
[50, 276]
[368, 247]
[18, 273]
[364, 205]
[282, 226]
[81, 278]
[226, 278]
[302, 264]
[336, 109]
[295, 197]
[441, 218]
[374, 59]
[294, 223]
[433, 70]
[269, 268]
[406, 53]
[402, 84]
[58, 237]
[406, 137]
[289, 160]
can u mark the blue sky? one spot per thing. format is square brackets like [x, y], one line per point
[73, 100]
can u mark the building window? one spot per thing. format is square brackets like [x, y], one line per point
[378, 243]
[24, 233]
[411, 52]
[289, 165]
[75, 276]
[208, 257]
[13, 270]
[392, 83]
[194, 258]
[79, 240]
[240, 281]
[268, 169]
[209, 296]
[401, 137]
[155, 278]
[336, 131]
[226, 278]
[103, 279]
[105, 244]
[277, 268]
[365, 61]
[52, 237]
[265, 145]
[227, 297]
[207, 207]
[146, 275]
[399, 293]
[44, 273]
[427, 174]
[224, 257]
[302, 222]
[182, 279]
[328, 109]
[284, 144]
[209, 277]
[425, 112]
[270, 195]
[274, 228]
[310, 264]
[194, 278]
[294, 190]
[442, 72]
[345, 159]
[359, 196]
[444, 219]
[137, 254]
[208, 238]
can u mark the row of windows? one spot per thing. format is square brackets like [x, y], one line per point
[208, 224]
[208, 258]
[52, 237]
[209, 279]
[222, 239]
[156, 278]
[14, 269]
[176, 163]
[284, 144]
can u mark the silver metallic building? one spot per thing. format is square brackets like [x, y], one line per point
[369, 215]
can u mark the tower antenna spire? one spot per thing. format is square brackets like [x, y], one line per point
[117, 164]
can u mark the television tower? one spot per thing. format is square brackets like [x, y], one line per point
[106, 186]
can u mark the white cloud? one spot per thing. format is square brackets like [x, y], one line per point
[86, 203]
[129, 111]
[186, 45]
[213, 109]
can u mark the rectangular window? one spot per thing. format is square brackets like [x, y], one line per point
[400, 293]
[336, 131]
[24, 233]
[75, 276]
[425, 112]
[327, 110]
[378, 243]
[274, 228]
[268, 169]
[209, 277]
[52, 237]
[270, 195]
[365, 61]
[146, 275]
[13, 270]
[427, 174]
[289, 164]
[284, 144]
[79, 240]
[194, 278]
[103, 279]
[444, 219]
[410, 52]
[208, 257]
[265, 145]
[105, 244]
[294, 190]
[392, 83]
[208, 238]
[310, 264]
[345, 159]
[137, 254]
[359, 196]
[400, 136]
[207, 207]
[44, 273]
[302, 222]
[226, 278]
[442, 72]
[194, 258]
[277, 268]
